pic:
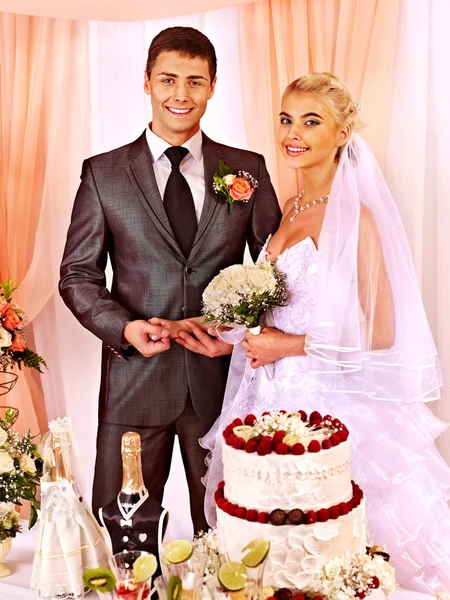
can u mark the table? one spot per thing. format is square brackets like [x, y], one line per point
[20, 559]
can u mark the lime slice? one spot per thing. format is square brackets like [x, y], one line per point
[99, 580]
[233, 576]
[243, 431]
[144, 567]
[174, 588]
[178, 551]
[259, 549]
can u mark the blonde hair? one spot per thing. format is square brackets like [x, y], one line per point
[333, 92]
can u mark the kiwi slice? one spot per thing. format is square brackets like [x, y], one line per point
[100, 580]
[174, 588]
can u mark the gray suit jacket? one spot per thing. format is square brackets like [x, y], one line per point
[119, 212]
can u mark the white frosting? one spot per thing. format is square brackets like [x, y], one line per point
[296, 551]
[309, 482]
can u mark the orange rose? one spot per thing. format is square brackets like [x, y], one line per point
[19, 343]
[241, 189]
[3, 307]
[12, 320]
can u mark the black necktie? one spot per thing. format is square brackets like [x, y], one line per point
[179, 203]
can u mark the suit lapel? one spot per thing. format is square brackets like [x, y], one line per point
[142, 175]
[211, 204]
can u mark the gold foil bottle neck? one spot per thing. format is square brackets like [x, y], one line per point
[132, 480]
[131, 443]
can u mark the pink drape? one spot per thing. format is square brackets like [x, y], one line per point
[43, 90]
[114, 10]
[281, 40]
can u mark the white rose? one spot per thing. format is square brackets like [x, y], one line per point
[26, 463]
[6, 462]
[235, 276]
[229, 179]
[5, 508]
[262, 280]
[3, 436]
[5, 338]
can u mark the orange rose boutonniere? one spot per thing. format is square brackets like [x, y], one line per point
[234, 188]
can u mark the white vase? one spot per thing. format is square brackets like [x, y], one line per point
[5, 547]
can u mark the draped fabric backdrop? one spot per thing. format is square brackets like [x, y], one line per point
[72, 88]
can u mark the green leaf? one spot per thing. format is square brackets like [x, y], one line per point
[224, 169]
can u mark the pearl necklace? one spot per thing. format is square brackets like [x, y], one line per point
[298, 209]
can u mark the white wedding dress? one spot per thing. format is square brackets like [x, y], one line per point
[395, 461]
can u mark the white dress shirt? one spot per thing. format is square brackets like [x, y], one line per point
[191, 166]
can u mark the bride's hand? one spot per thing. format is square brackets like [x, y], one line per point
[172, 327]
[271, 345]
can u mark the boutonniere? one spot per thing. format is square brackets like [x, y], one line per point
[234, 188]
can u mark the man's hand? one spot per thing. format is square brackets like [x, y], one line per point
[146, 338]
[172, 328]
[200, 342]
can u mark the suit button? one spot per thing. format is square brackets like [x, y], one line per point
[188, 270]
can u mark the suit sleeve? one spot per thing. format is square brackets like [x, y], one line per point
[83, 282]
[266, 213]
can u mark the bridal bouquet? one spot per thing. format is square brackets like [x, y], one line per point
[241, 294]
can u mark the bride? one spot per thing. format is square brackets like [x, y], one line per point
[353, 340]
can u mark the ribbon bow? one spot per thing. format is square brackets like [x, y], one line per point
[124, 523]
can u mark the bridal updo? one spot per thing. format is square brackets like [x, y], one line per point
[333, 92]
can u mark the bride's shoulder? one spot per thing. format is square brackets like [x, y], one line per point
[288, 205]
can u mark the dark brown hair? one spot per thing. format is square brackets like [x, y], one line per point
[185, 40]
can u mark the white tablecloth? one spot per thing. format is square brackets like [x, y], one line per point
[19, 560]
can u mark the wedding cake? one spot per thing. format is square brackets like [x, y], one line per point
[287, 480]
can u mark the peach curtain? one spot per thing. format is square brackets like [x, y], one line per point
[42, 124]
[281, 40]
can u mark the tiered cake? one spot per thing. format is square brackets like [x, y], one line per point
[287, 480]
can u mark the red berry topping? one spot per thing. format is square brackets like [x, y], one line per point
[279, 436]
[238, 443]
[231, 509]
[314, 446]
[335, 512]
[343, 435]
[263, 517]
[315, 416]
[265, 413]
[283, 594]
[271, 598]
[299, 597]
[317, 598]
[311, 517]
[221, 502]
[230, 439]
[327, 418]
[323, 515]
[360, 595]
[303, 415]
[237, 423]
[221, 484]
[335, 439]
[268, 438]
[281, 448]
[252, 515]
[251, 446]
[283, 412]
[250, 420]
[326, 444]
[240, 512]
[298, 449]
[343, 508]
[315, 423]
[218, 493]
[375, 583]
[264, 448]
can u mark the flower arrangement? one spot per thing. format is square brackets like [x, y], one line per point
[241, 294]
[20, 466]
[13, 345]
[207, 543]
[354, 576]
[234, 188]
[9, 521]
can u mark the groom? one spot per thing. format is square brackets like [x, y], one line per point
[150, 207]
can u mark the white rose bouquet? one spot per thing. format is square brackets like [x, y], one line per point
[241, 294]
[9, 521]
[20, 466]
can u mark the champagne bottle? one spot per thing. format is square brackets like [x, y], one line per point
[133, 487]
